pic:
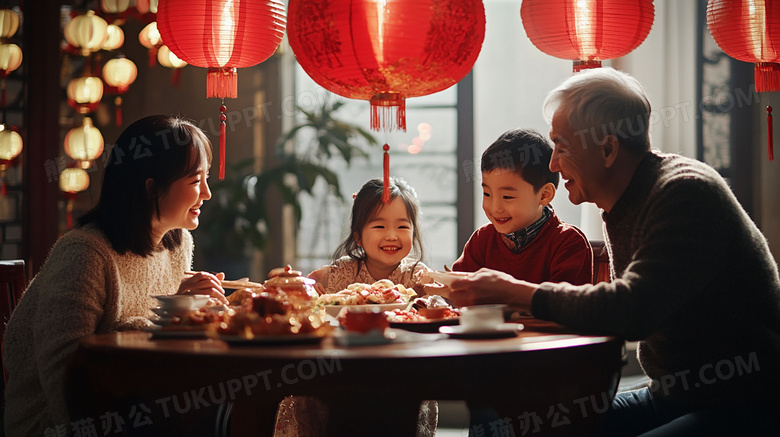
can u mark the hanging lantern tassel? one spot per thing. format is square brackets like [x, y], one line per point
[770, 147]
[4, 164]
[69, 209]
[176, 77]
[222, 119]
[118, 110]
[386, 175]
[388, 112]
[222, 82]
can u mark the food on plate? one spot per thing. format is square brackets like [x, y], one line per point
[291, 282]
[271, 313]
[237, 297]
[405, 316]
[434, 307]
[383, 291]
[424, 309]
[200, 318]
[362, 321]
[267, 304]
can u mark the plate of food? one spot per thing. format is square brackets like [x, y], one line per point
[425, 315]
[334, 310]
[271, 319]
[382, 294]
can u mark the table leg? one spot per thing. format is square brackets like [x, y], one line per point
[253, 416]
[372, 416]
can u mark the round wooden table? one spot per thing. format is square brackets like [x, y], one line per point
[544, 381]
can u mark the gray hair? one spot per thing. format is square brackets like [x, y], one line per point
[601, 102]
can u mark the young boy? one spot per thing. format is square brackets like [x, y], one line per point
[524, 238]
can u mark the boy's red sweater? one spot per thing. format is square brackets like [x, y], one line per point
[560, 253]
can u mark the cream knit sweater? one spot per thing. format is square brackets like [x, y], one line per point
[85, 287]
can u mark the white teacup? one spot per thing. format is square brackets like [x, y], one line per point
[176, 304]
[481, 318]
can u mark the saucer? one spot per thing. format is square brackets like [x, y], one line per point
[503, 330]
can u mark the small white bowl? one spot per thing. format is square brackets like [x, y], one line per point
[200, 300]
[446, 278]
[175, 303]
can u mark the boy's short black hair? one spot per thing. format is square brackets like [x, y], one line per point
[525, 152]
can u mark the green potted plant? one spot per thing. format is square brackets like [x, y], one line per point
[235, 221]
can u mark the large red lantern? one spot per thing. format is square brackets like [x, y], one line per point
[749, 30]
[222, 35]
[386, 51]
[587, 31]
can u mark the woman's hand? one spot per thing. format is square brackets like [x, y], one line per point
[488, 286]
[204, 283]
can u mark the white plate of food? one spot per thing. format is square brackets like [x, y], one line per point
[334, 310]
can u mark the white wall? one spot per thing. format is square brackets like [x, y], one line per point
[512, 78]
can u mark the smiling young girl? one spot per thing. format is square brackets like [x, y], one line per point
[99, 276]
[382, 236]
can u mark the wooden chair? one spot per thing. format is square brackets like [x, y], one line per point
[601, 271]
[13, 281]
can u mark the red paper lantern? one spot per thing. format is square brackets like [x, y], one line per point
[222, 35]
[386, 51]
[750, 31]
[587, 31]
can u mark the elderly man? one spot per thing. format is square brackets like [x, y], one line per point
[692, 276]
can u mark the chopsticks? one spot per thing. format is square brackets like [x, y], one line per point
[232, 284]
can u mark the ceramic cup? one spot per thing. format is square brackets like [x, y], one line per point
[481, 317]
[176, 304]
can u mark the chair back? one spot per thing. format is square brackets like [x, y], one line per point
[601, 270]
[13, 281]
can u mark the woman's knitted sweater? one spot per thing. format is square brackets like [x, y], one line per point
[693, 279]
[85, 287]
